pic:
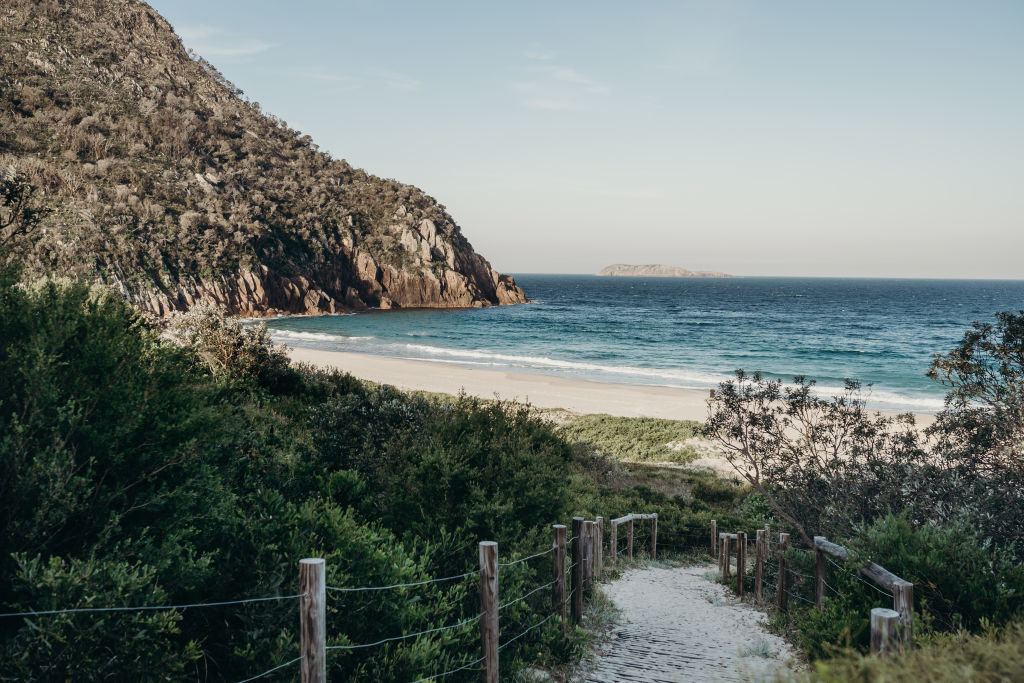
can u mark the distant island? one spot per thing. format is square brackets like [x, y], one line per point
[655, 270]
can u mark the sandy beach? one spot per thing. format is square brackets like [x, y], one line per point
[542, 391]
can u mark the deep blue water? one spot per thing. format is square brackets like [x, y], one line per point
[692, 332]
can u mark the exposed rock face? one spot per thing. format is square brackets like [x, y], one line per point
[655, 270]
[467, 281]
[162, 181]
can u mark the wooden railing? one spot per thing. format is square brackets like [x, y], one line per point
[628, 521]
[890, 628]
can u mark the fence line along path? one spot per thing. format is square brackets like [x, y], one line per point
[680, 625]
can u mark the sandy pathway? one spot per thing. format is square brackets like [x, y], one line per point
[677, 625]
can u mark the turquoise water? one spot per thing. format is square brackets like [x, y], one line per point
[691, 332]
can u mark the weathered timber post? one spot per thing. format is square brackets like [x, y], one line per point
[726, 559]
[614, 544]
[629, 535]
[741, 562]
[903, 603]
[576, 604]
[489, 607]
[558, 572]
[762, 535]
[885, 626]
[599, 557]
[714, 538]
[654, 536]
[781, 595]
[313, 620]
[588, 554]
[819, 574]
[721, 554]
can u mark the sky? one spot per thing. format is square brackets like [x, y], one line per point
[856, 139]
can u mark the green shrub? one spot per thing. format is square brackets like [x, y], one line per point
[960, 581]
[954, 658]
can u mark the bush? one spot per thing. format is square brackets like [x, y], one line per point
[995, 655]
[961, 582]
[136, 471]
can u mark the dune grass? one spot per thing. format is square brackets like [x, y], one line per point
[633, 439]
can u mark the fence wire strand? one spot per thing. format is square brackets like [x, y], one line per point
[448, 673]
[539, 623]
[526, 559]
[148, 608]
[535, 590]
[407, 636]
[857, 576]
[270, 671]
[799, 597]
[338, 589]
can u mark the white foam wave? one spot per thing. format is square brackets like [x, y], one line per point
[692, 379]
[888, 399]
[314, 336]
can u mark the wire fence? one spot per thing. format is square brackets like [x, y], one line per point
[526, 615]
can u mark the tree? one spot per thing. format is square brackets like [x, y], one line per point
[982, 426]
[823, 464]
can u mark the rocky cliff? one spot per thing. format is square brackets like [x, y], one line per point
[655, 270]
[158, 178]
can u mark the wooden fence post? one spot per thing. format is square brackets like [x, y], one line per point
[588, 554]
[714, 538]
[741, 562]
[819, 574]
[489, 607]
[726, 559]
[313, 620]
[721, 555]
[781, 595]
[885, 626]
[654, 536]
[614, 544]
[903, 603]
[558, 572]
[759, 562]
[599, 557]
[576, 573]
[629, 535]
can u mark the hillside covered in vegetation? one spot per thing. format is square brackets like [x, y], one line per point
[157, 177]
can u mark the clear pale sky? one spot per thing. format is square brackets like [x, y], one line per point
[870, 138]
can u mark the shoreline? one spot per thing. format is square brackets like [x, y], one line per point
[582, 396]
[541, 391]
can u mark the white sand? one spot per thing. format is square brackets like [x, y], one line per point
[542, 391]
[677, 625]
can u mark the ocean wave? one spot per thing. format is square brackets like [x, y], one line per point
[693, 379]
[295, 335]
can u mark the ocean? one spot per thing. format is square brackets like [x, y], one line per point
[691, 333]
